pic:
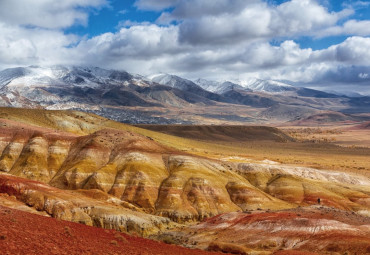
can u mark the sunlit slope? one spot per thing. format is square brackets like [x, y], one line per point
[89, 207]
[151, 171]
[131, 167]
[323, 156]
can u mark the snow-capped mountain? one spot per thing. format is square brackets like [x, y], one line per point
[176, 82]
[269, 86]
[173, 81]
[105, 92]
[8, 75]
[63, 87]
[219, 87]
[266, 85]
[62, 75]
[130, 98]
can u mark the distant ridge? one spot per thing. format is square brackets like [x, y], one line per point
[166, 98]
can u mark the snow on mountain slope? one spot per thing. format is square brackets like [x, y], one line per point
[10, 74]
[62, 85]
[266, 85]
[173, 81]
[86, 88]
[253, 84]
[218, 87]
[35, 76]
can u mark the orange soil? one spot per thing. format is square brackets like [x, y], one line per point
[26, 233]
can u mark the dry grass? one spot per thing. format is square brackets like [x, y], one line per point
[323, 155]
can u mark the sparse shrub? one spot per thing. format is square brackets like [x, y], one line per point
[114, 242]
[68, 231]
[120, 238]
[228, 248]
[168, 239]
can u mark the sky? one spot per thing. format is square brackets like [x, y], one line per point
[322, 44]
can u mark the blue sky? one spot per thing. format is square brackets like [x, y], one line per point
[316, 43]
[108, 19]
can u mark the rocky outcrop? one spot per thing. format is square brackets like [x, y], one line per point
[93, 208]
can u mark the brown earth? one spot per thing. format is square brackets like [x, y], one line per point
[26, 233]
[224, 133]
[326, 118]
[365, 125]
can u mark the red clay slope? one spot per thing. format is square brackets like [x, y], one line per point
[26, 233]
[316, 229]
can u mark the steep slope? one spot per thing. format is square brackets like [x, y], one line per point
[174, 81]
[267, 86]
[259, 85]
[25, 233]
[219, 87]
[89, 207]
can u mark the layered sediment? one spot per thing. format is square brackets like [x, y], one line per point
[166, 182]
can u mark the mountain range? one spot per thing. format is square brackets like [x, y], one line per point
[165, 98]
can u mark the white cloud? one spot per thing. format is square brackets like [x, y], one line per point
[47, 13]
[24, 46]
[350, 27]
[219, 21]
[353, 51]
[298, 17]
[216, 39]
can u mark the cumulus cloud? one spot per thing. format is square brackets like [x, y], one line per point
[350, 27]
[20, 46]
[218, 21]
[47, 13]
[215, 39]
[32, 31]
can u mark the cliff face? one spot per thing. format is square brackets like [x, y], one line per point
[90, 207]
[164, 181]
